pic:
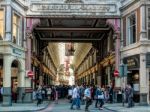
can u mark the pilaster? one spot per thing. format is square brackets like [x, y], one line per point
[7, 81]
[143, 23]
[143, 80]
[8, 23]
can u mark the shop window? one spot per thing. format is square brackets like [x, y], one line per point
[131, 29]
[1, 24]
[16, 29]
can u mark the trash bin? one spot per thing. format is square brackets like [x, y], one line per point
[119, 98]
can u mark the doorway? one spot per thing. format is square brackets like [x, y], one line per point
[14, 81]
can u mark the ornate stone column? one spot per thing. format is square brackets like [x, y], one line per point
[7, 81]
[115, 24]
[117, 58]
[28, 96]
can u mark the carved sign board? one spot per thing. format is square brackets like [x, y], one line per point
[68, 8]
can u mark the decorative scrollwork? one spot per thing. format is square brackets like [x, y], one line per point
[28, 34]
[73, 1]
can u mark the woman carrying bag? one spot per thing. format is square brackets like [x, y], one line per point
[101, 98]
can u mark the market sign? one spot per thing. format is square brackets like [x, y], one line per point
[73, 8]
[133, 62]
[67, 8]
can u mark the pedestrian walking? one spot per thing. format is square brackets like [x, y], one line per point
[97, 93]
[101, 98]
[39, 96]
[74, 97]
[130, 96]
[87, 97]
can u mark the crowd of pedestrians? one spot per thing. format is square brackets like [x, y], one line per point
[51, 93]
[86, 95]
[79, 95]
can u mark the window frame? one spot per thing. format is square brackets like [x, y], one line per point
[19, 25]
[3, 10]
[148, 21]
[128, 27]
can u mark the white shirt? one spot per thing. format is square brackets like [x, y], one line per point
[75, 93]
[87, 92]
[1, 90]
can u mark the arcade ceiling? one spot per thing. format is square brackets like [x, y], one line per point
[83, 32]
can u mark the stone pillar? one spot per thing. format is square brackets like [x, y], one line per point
[28, 58]
[115, 23]
[143, 23]
[108, 71]
[8, 22]
[41, 80]
[21, 81]
[28, 96]
[7, 81]
[117, 58]
[99, 76]
[143, 80]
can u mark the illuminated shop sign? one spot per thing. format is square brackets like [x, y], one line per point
[132, 61]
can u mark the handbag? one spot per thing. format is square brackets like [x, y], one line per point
[101, 96]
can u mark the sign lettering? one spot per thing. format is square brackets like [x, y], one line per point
[132, 62]
[82, 8]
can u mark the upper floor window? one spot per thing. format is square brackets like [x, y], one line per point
[16, 29]
[131, 29]
[1, 24]
[149, 23]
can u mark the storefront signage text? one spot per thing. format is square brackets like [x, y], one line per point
[81, 8]
[16, 51]
[132, 61]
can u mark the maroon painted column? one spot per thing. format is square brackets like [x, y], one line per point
[28, 38]
[115, 24]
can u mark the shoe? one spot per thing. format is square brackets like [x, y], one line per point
[87, 111]
[72, 108]
[101, 108]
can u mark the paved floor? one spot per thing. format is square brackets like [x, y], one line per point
[64, 106]
[23, 107]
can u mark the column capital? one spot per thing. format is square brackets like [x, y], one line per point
[115, 24]
[28, 34]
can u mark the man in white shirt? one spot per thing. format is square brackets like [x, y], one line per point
[87, 95]
[74, 97]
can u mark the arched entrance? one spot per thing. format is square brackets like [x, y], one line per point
[13, 79]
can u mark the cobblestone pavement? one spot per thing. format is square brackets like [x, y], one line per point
[64, 106]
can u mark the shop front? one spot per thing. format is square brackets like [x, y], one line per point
[12, 73]
[133, 66]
